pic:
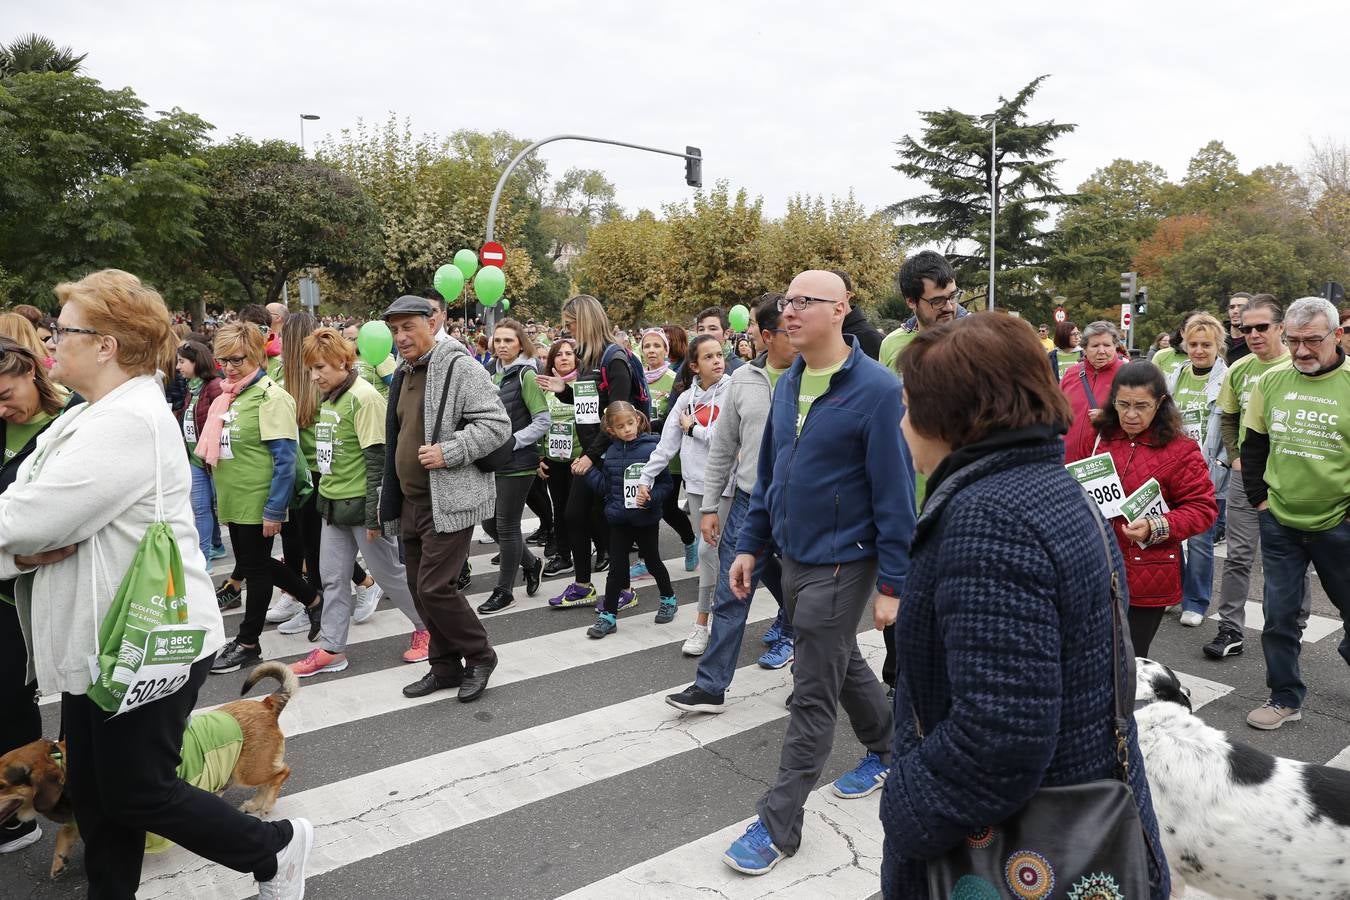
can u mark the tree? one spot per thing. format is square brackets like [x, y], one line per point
[35, 53]
[582, 199]
[711, 252]
[1213, 184]
[624, 267]
[842, 235]
[273, 212]
[87, 181]
[952, 158]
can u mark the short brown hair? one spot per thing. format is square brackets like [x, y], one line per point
[553, 354]
[117, 304]
[678, 339]
[526, 345]
[328, 345]
[245, 339]
[978, 375]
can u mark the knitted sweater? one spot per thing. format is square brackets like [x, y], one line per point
[1004, 649]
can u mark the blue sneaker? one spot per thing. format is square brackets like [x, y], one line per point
[691, 556]
[753, 852]
[574, 595]
[218, 552]
[637, 570]
[775, 632]
[627, 600]
[665, 610]
[778, 655]
[604, 624]
[868, 776]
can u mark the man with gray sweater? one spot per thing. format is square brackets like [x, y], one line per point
[444, 413]
[736, 444]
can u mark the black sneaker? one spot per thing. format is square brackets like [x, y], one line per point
[234, 656]
[228, 596]
[533, 575]
[465, 576]
[498, 600]
[496, 560]
[557, 565]
[601, 562]
[315, 613]
[16, 835]
[1227, 643]
[695, 699]
[540, 537]
[431, 682]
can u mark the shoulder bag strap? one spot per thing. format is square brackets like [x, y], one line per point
[1121, 716]
[445, 392]
[1087, 388]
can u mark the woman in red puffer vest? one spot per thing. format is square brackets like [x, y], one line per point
[1140, 427]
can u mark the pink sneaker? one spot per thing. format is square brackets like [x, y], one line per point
[319, 660]
[419, 649]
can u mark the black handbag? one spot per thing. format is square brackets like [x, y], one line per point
[497, 460]
[1076, 841]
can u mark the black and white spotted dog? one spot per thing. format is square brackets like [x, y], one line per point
[1236, 822]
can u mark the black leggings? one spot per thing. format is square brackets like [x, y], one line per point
[260, 572]
[674, 517]
[1144, 622]
[559, 486]
[621, 538]
[539, 503]
[585, 519]
[20, 719]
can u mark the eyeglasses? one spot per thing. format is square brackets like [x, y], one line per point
[800, 303]
[954, 298]
[60, 331]
[235, 361]
[1142, 409]
[1312, 343]
[1259, 327]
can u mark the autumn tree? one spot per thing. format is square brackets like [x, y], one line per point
[838, 235]
[624, 266]
[712, 250]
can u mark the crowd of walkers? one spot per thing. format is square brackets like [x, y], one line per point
[840, 468]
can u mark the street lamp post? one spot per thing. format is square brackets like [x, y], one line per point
[304, 117]
[993, 199]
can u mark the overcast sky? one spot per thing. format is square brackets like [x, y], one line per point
[782, 96]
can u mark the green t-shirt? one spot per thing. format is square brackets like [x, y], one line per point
[562, 431]
[374, 375]
[17, 436]
[660, 394]
[1067, 359]
[893, 344]
[345, 428]
[1169, 360]
[1308, 421]
[190, 421]
[1238, 383]
[533, 397]
[263, 412]
[814, 383]
[1192, 403]
[774, 375]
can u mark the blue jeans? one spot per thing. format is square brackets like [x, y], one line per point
[1197, 573]
[1285, 554]
[717, 665]
[204, 509]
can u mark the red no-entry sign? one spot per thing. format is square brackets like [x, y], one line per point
[492, 254]
[1060, 314]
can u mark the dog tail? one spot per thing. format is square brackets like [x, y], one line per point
[282, 673]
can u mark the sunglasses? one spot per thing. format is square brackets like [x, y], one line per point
[1259, 327]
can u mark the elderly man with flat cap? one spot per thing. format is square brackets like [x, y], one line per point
[835, 495]
[444, 413]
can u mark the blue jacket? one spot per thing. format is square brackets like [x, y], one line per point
[844, 489]
[607, 481]
[1004, 649]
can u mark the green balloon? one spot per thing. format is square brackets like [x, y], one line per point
[506, 306]
[374, 342]
[449, 282]
[467, 262]
[489, 285]
[739, 317]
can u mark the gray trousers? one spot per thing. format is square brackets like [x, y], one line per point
[337, 551]
[1244, 547]
[825, 605]
[708, 563]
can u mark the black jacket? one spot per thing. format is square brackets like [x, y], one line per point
[869, 338]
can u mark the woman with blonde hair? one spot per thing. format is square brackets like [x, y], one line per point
[73, 521]
[21, 331]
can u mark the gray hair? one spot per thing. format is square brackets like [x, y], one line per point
[1101, 326]
[1302, 312]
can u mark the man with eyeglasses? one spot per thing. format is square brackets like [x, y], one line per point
[928, 285]
[1262, 329]
[834, 493]
[1236, 343]
[1296, 471]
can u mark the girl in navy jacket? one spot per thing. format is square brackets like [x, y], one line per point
[616, 482]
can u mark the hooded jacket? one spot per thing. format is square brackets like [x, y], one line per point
[842, 490]
[692, 448]
[741, 425]
[607, 482]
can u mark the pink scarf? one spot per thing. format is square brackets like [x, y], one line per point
[208, 442]
[570, 376]
[273, 344]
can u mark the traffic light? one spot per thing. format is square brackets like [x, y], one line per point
[1127, 286]
[693, 167]
[1141, 302]
[1334, 292]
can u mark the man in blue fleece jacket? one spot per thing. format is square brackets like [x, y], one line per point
[835, 495]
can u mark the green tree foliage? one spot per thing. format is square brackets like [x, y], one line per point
[87, 181]
[35, 53]
[272, 212]
[839, 235]
[624, 265]
[951, 157]
[711, 245]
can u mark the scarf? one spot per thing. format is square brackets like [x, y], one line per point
[333, 395]
[655, 375]
[208, 442]
[570, 376]
[273, 347]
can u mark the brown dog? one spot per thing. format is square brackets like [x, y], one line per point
[33, 777]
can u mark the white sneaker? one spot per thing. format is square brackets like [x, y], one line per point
[367, 598]
[296, 624]
[9, 843]
[697, 641]
[289, 882]
[283, 608]
[1190, 618]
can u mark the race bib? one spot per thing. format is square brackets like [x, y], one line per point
[189, 428]
[1194, 431]
[225, 451]
[586, 403]
[170, 651]
[323, 447]
[632, 480]
[1098, 476]
[1147, 501]
[560, 441]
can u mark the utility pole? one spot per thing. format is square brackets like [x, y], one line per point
[305, 117]
[993, 200]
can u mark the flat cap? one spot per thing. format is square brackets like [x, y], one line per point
[407, 305]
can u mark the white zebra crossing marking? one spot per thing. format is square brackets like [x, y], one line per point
[1318, 626]
[379, 811]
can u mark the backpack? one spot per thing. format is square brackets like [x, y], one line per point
[641, 398]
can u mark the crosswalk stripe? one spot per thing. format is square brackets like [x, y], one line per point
[1318, 626]
[1340, 760]
[379, 811]
[1202, 689]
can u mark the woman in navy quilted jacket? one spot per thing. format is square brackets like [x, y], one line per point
[1141, 428]
[1004, 639]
